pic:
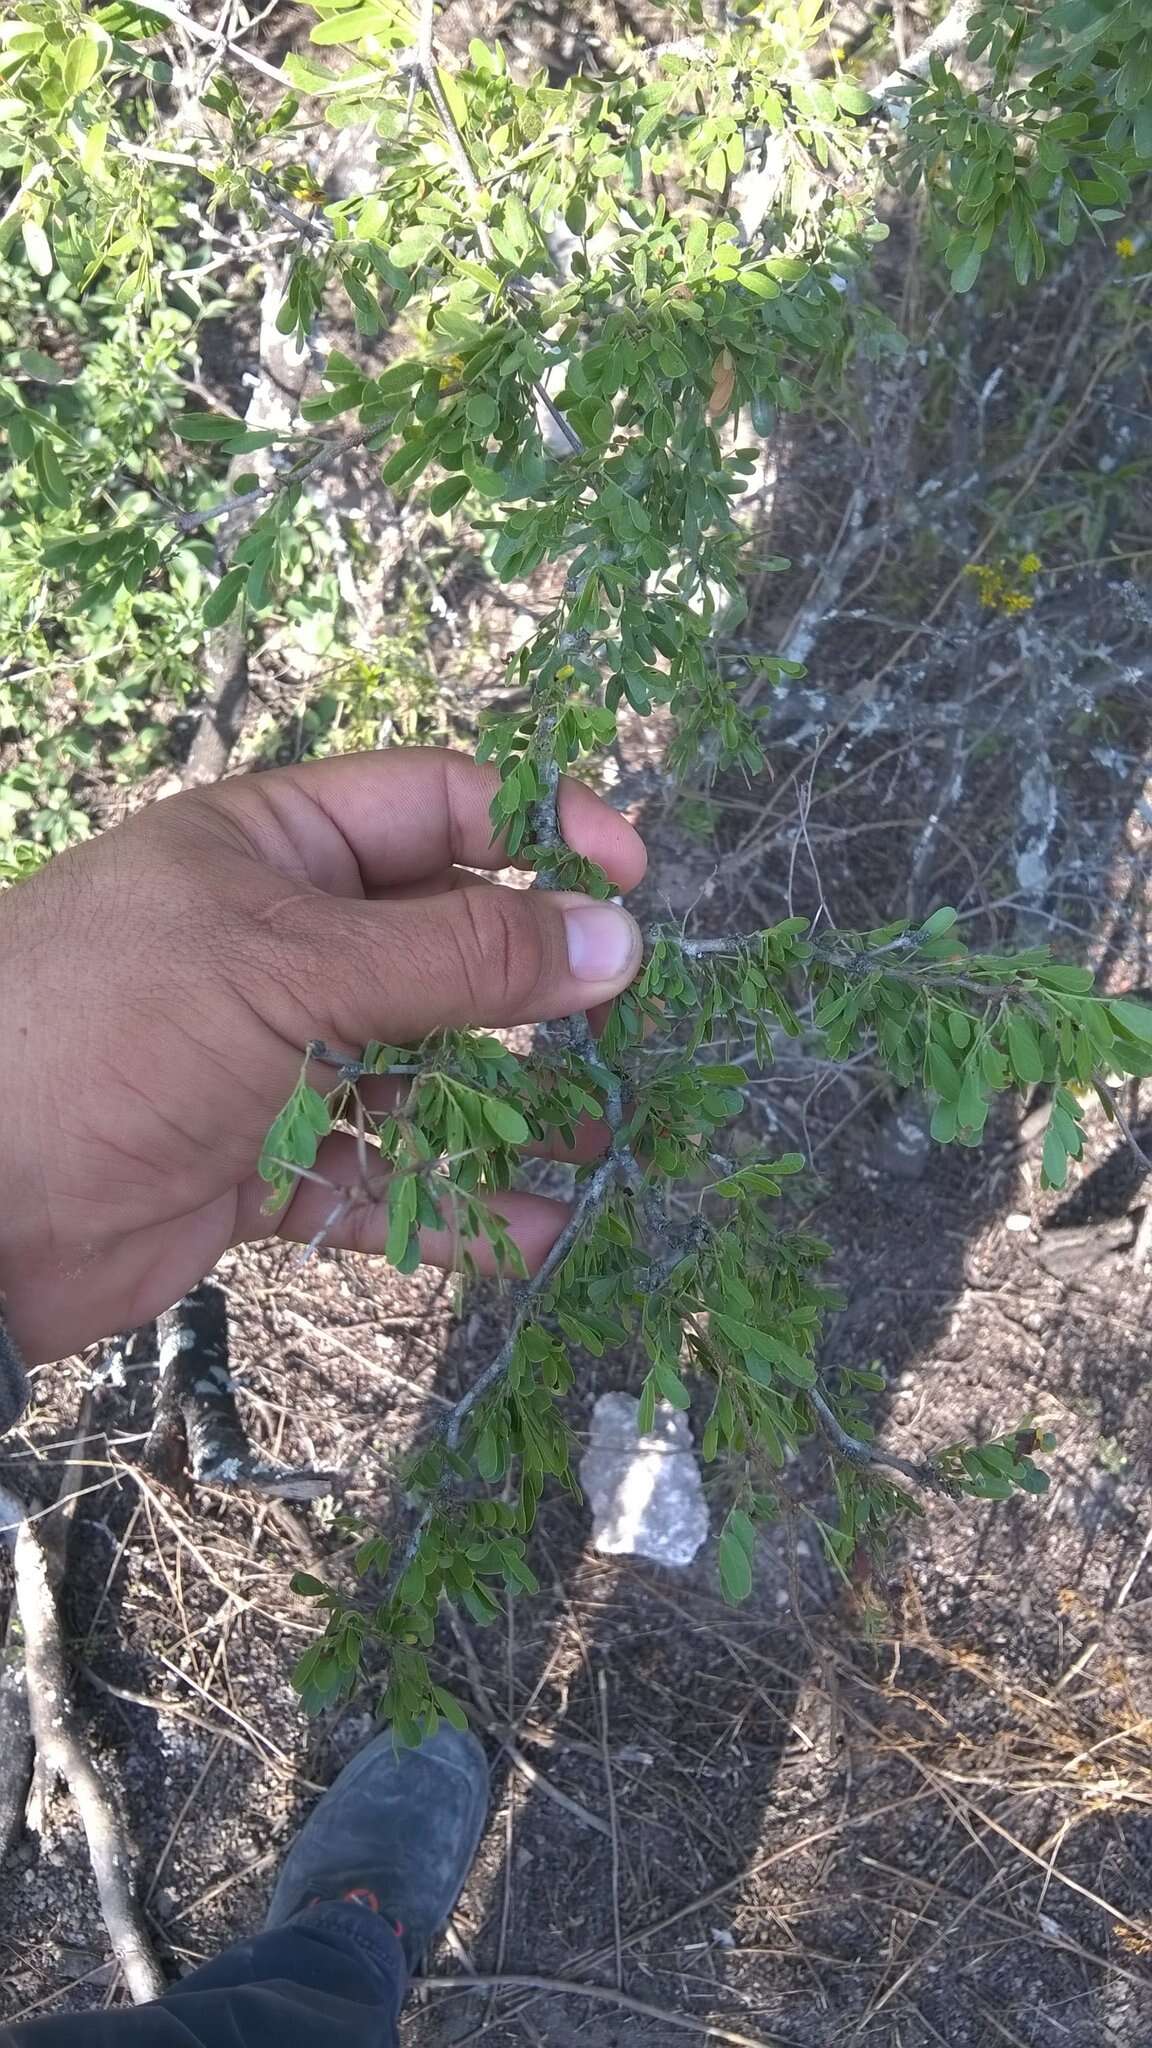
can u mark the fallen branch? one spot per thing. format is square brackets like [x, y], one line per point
[61, 1752]
[196, 1412]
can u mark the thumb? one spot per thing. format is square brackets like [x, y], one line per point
[478, 955]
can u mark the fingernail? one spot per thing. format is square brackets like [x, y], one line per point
[603, 942]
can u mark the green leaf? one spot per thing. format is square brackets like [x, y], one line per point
[486, 480]
[49, 475]
[1074, 980]
[222, 602]
[735, 1562]
[354, 22]
[482, 412]
[1024, 1055]
[507, 1122]
[37, 247]
[403, 1198]
[294, 1137]
[852, 98]
[44, 368]
[489, 1455]
[205, 426]
[672, 1387]
[943, 1073]
[646, 1411]
[311, 1588]
[82, 60]
[967, 271]
[372, 1556]
[451, 1709]
[517, 224]
[397, 379]
[248, 439]
[1134, 1018]
[22, 439]
[406, 461]
[1055, 1159]
[448, 492]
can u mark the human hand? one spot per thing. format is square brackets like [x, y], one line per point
[158, 986]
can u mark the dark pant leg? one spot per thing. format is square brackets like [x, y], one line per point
[334, 1977]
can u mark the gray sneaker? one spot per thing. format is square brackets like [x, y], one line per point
[397, 1832]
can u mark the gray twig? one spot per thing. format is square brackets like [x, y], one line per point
[284, 480]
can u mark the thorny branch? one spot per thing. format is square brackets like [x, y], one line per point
[855, 1451]
[589, 1204]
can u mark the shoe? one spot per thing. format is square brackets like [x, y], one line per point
[397, 1832]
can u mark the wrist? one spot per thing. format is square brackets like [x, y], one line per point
[26, 1113]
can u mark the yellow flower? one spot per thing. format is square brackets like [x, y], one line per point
[995, 590]
[1125, 247]
[839, 54]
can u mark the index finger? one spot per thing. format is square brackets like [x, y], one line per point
[414, 811]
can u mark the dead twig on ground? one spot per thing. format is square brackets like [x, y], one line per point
[603, 1994]
[61, 1749]
[197, 1415]
[610, 1786]
[498, 1727]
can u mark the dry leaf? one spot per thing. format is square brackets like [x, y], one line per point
[723, 384]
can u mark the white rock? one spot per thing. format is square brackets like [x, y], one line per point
[1018, 1221]
[645, 1492]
